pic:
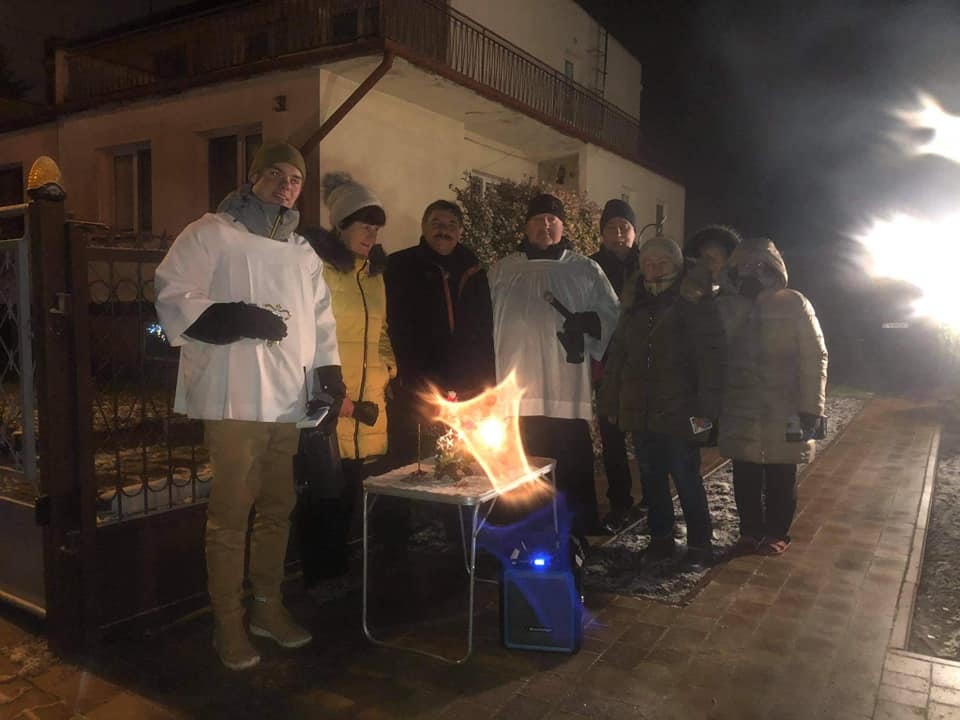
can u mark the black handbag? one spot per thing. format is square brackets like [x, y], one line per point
[317, 471]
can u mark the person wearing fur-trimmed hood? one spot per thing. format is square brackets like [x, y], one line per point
[775, 369]
[353, 265]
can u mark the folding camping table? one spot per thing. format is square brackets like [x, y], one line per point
[476, 493]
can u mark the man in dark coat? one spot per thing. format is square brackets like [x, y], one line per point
[440, 322]
[617, 257]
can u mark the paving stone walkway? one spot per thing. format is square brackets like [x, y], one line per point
[816, 633]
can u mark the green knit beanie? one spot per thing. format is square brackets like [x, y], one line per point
[277, 152]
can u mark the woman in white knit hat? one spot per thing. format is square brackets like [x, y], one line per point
[353, 265]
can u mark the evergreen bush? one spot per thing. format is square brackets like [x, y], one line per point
[493, 216]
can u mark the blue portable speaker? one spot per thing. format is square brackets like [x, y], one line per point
[540, 602]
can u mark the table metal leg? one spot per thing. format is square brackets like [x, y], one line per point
[470, 561]
[463, 539]
[367, 503]
[556, 512]
[469, 545]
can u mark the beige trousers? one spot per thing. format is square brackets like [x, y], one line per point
[252, 468]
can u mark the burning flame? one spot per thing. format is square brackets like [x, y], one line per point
[489, 426]
[945, 128]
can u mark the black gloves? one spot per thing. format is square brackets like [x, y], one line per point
[573, 343]
[814, 426]
[806, 426]
[224, 323]
[574, 328]
[585, 323]
[366, 412]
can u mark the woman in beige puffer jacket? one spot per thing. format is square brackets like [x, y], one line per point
[775, 370]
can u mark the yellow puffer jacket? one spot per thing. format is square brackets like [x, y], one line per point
[359, 305]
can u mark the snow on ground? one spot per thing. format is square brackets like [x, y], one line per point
[614, 567]
[936, 620]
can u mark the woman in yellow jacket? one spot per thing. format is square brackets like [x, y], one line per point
[353, 265]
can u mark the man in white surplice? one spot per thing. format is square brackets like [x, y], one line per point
[548, 352]
[244, 298]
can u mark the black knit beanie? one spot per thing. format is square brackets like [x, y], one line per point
[546, 203]
[617, 208]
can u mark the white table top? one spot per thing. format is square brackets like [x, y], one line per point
[471, 490]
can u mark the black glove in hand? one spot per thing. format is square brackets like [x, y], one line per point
[584, 323]
[366, 412]
[259, 323]
[224, 323]
[573, 343]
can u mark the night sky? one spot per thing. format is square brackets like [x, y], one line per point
[778, 117]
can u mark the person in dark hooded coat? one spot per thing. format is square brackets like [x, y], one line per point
[712, 247]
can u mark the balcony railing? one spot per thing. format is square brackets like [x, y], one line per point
[257, 36]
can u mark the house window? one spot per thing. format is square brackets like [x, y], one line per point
[132, 191]
[229, 157]
[482, 181]
[11, 193]
[568, 69]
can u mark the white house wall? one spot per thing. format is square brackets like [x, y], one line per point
[175, 128]
[480, 154]
[624, 82]
[607, 176]
[409, 156]
[559, 30]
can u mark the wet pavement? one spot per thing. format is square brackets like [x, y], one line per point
[815, 633]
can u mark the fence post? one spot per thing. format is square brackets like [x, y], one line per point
[62, 508]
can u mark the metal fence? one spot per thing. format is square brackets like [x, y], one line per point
[18, 419]
[21, 572]
[146, 458]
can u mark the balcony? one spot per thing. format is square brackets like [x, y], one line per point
[264, 36]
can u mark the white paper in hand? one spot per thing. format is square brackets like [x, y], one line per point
[312, 421]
